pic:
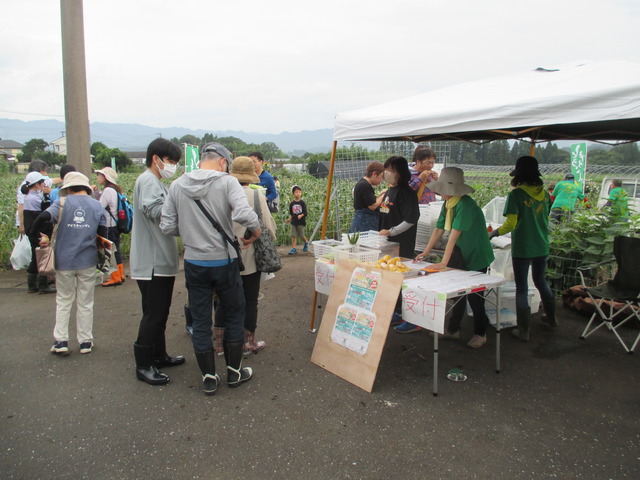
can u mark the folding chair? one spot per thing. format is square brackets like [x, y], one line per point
[624, 289]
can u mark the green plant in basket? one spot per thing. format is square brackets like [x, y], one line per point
[353, 238]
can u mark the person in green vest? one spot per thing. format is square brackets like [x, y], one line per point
[618, 202]
[566, 193]
[468, 247]
[527, 218]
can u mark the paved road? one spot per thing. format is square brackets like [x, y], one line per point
[561, 408]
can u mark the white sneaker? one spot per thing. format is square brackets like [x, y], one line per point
[477, 341]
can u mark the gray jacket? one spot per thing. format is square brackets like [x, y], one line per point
[224, 199]
[152, 252]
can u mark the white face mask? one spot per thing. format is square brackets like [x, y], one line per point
[390, 178]
[169, 169]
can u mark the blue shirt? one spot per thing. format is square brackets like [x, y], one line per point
[266, 181]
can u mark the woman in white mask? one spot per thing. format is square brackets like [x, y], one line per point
[399, 213]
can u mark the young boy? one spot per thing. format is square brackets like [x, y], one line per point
[297, 219]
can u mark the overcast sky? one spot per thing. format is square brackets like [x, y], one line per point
[285, 65]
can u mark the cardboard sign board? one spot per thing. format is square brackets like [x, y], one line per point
[356, 322]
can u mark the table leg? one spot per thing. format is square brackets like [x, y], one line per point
[435, 363]
[498, 328]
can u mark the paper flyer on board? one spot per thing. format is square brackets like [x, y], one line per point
[354, 319]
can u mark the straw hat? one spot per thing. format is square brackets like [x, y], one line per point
[451, 182]
[110, 174]
[75, 179]
[243, 169]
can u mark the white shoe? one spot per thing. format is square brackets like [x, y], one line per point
[477, 341]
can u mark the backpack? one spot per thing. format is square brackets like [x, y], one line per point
[124, 222]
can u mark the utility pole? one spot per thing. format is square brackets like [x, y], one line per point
[75, 86]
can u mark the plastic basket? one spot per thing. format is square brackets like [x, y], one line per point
[324, 247]
[366, 235]
[356, 253]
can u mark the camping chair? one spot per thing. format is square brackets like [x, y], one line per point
[624, 289]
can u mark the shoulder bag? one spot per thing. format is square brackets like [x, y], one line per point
[234, 243]
[44, 255]
[266, 254]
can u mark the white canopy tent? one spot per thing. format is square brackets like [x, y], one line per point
[598, 101]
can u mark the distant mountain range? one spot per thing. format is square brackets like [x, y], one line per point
[131, 137]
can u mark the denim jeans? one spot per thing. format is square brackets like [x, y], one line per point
[226, 282]
[521, 274]
[364, 220]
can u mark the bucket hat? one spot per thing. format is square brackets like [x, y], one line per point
[451, 182]
[75, 179]
[110, 174]
[244, 170]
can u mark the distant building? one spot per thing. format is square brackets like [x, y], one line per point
[60, 146]
[9, 149]
[137, 158]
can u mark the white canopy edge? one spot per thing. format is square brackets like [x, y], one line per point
[589, 100]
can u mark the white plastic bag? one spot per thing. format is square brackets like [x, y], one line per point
[21, 254]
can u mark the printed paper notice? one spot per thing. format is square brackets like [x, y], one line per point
[354, 319]
[353, 328]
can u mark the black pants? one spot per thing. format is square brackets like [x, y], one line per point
[476, 302]
[156, 302]
[113, 234]
[251, 287]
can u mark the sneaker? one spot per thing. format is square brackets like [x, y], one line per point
[306, 247]
[85, 347]
[60, 348]
[406, 327]
[396, 319]
[477, 341]
[293, 251]
[448, 335]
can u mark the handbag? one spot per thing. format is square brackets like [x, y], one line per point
[44, 255]
[234, 243]
[266, 254]
[21, 253]
[106, 258]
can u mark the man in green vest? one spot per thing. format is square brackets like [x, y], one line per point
[566, 193]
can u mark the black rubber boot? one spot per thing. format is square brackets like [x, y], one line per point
[523, 317]
[162, 358]
[146, 371]
[549, 316]
[236, 375]
[43, 285]
[207, 364]
[32, 282]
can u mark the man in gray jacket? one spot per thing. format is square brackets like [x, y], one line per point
[210, 261]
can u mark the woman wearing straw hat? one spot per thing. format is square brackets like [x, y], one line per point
[468, 247]
[243, 169]
[109, 200]
[527, 211]
[80, 218]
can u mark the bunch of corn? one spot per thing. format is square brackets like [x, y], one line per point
[392, 264]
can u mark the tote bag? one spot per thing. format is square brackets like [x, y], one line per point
[44, 255]
[266, 254]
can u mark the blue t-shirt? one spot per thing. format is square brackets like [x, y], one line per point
[75, 243]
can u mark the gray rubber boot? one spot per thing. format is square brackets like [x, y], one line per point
[549, 316]
[523, 317]
[43, 285]
[32, 282]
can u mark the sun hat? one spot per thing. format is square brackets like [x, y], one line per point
[34, 177]
[244, 170]
[526, 166]
[75, 179]
[110, 174]
[451, 182]
[217, 148]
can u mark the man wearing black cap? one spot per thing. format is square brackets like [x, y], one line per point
[201, 207]
[566, 193]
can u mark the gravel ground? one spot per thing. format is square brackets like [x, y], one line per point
[561, 408]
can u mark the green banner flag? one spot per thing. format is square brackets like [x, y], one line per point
[579, 162]
[192, 158]
[113, 163]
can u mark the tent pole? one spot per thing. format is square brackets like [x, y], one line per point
[323, 231]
